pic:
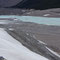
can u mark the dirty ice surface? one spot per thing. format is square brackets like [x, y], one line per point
[11, 49]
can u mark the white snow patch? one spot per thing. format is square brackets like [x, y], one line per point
[39, 40]
[34, 36]
[28, 13]
[42, 42]
[11, 49]
[11, 29]
[46, 15]
[53, 52]
[27, 33]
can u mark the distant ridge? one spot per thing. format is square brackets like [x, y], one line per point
[30, 4]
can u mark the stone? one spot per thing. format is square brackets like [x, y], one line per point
[2, 58]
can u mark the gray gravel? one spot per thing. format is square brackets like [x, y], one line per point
[31, 12]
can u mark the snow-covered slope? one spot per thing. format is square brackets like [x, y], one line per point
[11, 49]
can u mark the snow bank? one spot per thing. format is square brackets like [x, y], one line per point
[11, 49]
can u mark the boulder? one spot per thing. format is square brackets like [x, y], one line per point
[2, 58]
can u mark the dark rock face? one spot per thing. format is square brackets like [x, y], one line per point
[35, 4]
[8, 3]
[1, 58]
[39, 4]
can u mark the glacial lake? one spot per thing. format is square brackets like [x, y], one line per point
[39, 20]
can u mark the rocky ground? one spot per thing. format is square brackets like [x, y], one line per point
[31, 35]
[48, 34]
[31, 12]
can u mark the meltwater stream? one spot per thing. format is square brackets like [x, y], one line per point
[39, 20]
